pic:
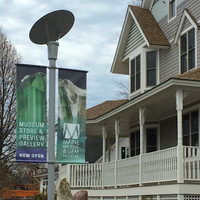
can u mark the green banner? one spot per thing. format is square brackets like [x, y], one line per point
[71, 116]
[31, 114]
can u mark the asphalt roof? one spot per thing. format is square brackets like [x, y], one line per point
[149, 26]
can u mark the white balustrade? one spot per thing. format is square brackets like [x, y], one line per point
[157, 166]
[109, 174]
[86, 175]
[128, 171]
[191, 156]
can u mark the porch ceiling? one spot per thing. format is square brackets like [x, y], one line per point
[159, 102]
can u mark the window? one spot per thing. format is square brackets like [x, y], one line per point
[172, 9]
[188, 51]
[135, 74]
[191, 129]
[151, 68]
[151, 139]
[135, 143]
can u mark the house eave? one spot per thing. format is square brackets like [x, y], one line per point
[155, 46]
[176, 82]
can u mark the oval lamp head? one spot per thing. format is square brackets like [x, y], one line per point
[51, 27]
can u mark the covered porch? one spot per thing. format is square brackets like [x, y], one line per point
[159, 152]
[164, 166]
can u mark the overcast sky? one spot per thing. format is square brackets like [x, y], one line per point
[90, 45]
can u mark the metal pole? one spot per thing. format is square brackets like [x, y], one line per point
[52, 56]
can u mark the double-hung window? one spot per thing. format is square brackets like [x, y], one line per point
[191, 129]
[135, 74]
[151, 68]
[172, 9]
[135, 143]
[188, 51]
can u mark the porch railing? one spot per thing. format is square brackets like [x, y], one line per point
[152, 167]
[191, 156]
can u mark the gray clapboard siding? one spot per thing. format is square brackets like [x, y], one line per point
[169, 63]
[134, 39]
[170, 28]
[186, 25]
[169, 59]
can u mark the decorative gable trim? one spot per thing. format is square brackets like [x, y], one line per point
[149, 29]
[189, 16]
[138, 25]
[135, 38]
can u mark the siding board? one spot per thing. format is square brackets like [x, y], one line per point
[134, 39]
[169, 59]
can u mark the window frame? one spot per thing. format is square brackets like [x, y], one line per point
[136, 74]
[187, 51]
[190, 132]
[136, 148]
[152, 68]
[156, 139]
[172, 10]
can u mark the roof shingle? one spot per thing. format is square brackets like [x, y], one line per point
[149, 26]
[193, 74]
[103, 108]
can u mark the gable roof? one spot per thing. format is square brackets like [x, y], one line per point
[103, 108]
[190, 17]
[149, 29]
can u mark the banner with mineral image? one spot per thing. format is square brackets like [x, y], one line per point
[31, 139]
[71, 116]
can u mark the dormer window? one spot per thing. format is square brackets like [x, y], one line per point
[188, 51]
[151, 68]
[135, 74]
[172, 9]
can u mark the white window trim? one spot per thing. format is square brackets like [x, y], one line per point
[132, 56]
[157, 68]
[190, 133]
[172, 18]
[143, 74]
[179, 44]
[191, 109]
[147, 126]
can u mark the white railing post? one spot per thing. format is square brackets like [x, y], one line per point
[68, 175]
[142, 123]
[115, 173]
[102, 175]
[179, 108]
[117, 131]
[104, 136]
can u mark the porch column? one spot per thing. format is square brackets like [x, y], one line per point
[117, 131]
[179, 109]
[104, 136]
[142, 123]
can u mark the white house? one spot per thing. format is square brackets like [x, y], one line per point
[151, 141]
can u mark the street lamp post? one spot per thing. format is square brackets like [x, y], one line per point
[48, 30]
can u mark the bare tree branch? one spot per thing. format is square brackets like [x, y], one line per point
[8, 59]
